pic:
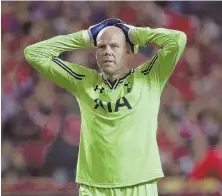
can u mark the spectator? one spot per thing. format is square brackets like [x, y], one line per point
[211, 164]
[61, 156]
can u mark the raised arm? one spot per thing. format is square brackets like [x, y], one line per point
[43, 56]
[172, 44]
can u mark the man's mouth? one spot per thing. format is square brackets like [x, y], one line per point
[107, 61]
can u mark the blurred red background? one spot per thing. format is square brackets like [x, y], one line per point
[41, 122]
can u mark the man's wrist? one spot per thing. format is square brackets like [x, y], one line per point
[86, 36]
[137, 33]
[130, 35]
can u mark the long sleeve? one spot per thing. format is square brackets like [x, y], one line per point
[172, 43]
[43, 56]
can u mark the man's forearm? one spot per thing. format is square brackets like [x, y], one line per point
[53, 47]
[159, 36]
[169, 40]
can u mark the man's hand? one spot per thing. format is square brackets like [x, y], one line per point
[128, 30]
[94, 30]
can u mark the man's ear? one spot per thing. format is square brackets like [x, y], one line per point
[95, 54]
[128, 49]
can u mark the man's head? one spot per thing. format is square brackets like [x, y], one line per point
[112, 50]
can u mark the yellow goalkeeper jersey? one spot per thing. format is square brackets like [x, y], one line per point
[118, 145]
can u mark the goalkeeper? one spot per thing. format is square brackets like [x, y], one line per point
[118, 152]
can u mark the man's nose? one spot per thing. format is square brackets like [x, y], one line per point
[108, 50]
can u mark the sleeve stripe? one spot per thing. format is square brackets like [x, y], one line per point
[63, 66]
[146, 71]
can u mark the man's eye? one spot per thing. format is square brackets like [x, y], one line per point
[101, 46]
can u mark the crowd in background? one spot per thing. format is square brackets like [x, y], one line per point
[41, 122]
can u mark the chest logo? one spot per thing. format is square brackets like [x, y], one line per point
[128, 87]
[121, 102]
[99, 88]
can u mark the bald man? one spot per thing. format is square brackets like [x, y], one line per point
[118, 152]
[112, 51]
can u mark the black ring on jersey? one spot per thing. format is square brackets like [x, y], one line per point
[146, 71]
[63, 66]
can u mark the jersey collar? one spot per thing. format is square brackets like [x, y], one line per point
[113, 85]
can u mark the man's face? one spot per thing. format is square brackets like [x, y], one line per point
[112, 50]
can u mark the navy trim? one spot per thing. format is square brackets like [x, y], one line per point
[71, 72]
[121, 79]
[107, 82]
[146, 71]
[116, 82]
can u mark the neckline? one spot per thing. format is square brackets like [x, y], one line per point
[113, 85]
